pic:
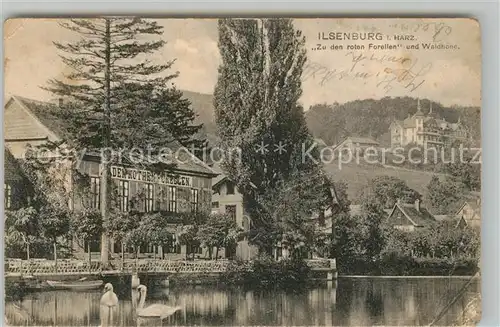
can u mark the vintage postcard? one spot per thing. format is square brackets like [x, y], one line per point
[239, 172]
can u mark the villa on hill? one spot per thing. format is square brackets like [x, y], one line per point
[427, 130]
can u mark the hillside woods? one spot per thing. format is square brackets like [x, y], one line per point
[372, 118]
[368, 117]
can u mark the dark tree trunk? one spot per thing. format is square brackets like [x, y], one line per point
[55, 255]
[90, 257]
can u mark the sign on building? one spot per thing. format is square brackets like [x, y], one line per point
[147, 176]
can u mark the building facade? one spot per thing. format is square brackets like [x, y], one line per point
[185, 188]
[426, 130]
[410, 216]
[227, 199]
[355, 144]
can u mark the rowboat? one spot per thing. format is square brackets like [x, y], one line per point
[75, 285]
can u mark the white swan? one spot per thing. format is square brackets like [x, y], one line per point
[109, 301]
[154, 310]
[109, 298]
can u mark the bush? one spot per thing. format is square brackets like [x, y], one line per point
[264, 272]
[15, 290]
[393, 264]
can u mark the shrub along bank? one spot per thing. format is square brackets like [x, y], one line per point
[394, 265]
[266, 273]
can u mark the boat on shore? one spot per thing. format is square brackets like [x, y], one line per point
[75, 285]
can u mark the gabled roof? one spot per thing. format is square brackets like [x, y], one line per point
[417, 218]
[46, 113]
[221, 177]
[219, 180]
[474, 205]
[356, 139]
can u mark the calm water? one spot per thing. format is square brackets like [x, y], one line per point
[353, 302]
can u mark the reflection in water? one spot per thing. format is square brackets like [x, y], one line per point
[350, 302]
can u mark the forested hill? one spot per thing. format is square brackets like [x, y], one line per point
[203, 106]
[333, 122]
[372, 118]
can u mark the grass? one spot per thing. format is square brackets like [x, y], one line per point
[357, 176]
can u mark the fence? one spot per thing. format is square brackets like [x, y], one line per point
[15, 267]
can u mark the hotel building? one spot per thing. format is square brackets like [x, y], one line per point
[185, 188]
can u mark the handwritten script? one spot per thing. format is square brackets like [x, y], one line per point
[438, 30]
[395, 71]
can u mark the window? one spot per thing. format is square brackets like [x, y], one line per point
[95, 246]
[215, 205]
[231, 211]
[172, 199]
[95, 192]
[7, 195]
[194, 200]
[123, 195]
[230, 188]
[171, 245]
[149, 203]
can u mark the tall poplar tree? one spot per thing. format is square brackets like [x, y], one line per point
[257, 109]
[113, 93]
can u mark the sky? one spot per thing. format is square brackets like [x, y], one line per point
[448, 76]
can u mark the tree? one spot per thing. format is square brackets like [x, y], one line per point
[187, 236]
[175, 115]
[257, 111]
[384, 191]
[397, 242]
[466, 173]
[22, 227]
[293, 205]
[119, 225]
[349, 239]
[324, 124]
[46, 215]
[55, 223]
[105, 91]
[444, 195]
[88, 226]
[155, 229]
[219, 231]
[373, 214]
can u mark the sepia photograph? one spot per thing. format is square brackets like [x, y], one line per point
[242, 171]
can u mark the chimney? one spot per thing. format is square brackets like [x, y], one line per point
[61, 101]
[417, 204]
